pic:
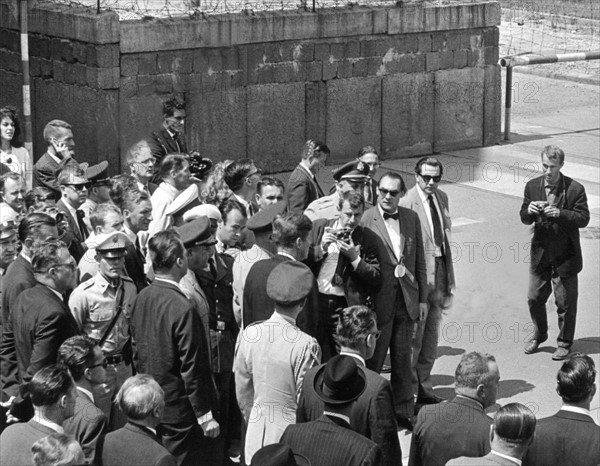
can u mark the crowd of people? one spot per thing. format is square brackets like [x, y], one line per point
[187, 312]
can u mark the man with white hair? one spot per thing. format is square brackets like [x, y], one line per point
[141, 164]
[142, 400]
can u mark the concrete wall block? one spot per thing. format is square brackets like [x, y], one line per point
[80, 74]
[215, 59]
[492, 105]
[438, 41]
[474, 58]
[446, 60]
[103, 78]
[368, 48]
[322, 51]
[491, 37]
[46, 69]
[312, 71]
[380, 21]
[256, 59]
[373, 65]
[352, 49]
[147, 63]
[285, 72]
[329, 70]
[360, 68]
[353, 116]
[460, 59]
[266, 74]
[453, 40]
[58, 70]
[229, 58]
[304, 52]
[406, 19]
[145, 87]
[338, 50]
[492, 55]
[407, 115]
[200, 61]
[91, 55]
[9, 16]
[383, 46]
[276, 124]
[107, 55]
[424, 43]
[407, 43]
[34, 66]
[55, 49]
[129, 65]
[336, 22]
[128, 88]
[164, 83]
[80, 52]
[432, 61]
[316, 111]
[344, 69]
[69, 74]
[103, 28]
[492, 13]
[458, 109]
[11, 40]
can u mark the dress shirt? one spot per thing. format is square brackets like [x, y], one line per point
[285, 254]
[393, 228]
[425, 201]
[510, 458]
[338, 415]
[52, 425]
[172, 282]
[245, 203]
[162, 198]
[358, 357]
[60, 295]
[305, 167]
[575, 409]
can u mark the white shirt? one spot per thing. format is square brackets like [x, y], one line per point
[510, 458]
[424, 199]
[338, 415]
[311, 174]
[245, 203]
[393, 228]
[162, 198]
[355, 356]
[89, 394]
[576, 409]
[47, 423]
[172, 282]
[73, 211]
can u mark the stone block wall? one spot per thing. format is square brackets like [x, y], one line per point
[409, 81]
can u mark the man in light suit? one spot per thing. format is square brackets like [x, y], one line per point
[557, 206]
[570, 436]
[303, 187]
[510, 436]
[270, 363]
[402, 299]
[431, 205]
[373, 413]
[329, 440]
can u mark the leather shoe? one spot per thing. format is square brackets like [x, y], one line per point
[405, 422]
[429, 400]
[531, 346]
[561, 353]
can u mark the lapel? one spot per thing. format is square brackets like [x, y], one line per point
[73, 225]
[221, 267]
[379, 225]
[48, 162]
[52, 296]
[420, 209]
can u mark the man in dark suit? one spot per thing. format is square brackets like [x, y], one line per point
[142, 400]
[557, 206]
[85, 361]
[373, 413]
[431, 205]
[141, 165]
[171, 346]
[242, 177]
[570, 436]
[169, 138]
[458, 427]
[73, 187]
[53, 395]
[510, 436]
[343, 257]
[34, 229]
[369, 156]
[402, 299]
[329, 440]
[303, 187]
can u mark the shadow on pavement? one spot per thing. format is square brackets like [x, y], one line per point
[439, 379]
[449, 351]
[510, 388]
[590, 345]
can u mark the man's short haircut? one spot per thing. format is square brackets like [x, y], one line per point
[434, 162]
[48, 384]
[77, 354]
[100, 212]
[354, 326]
[289, 227]
[229, 205]
[38, 194]
[55, 450]
[314, 148]
[515, 423]
[10, 176]
[396, 177]
[172, 104]
[53, 129]
[11, 112]
[473, 370]
[236, 172]
[172, 162]
[31, 226]
[66, 175]
[269, 181]
[353, 198]
[165, 248]
[46, 256]
[139, 396]
[554, 153]
[132, 198]
[367, 150]
[119, 185]
[137, 150]
[576, 378]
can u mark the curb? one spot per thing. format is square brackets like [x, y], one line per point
[572, 77]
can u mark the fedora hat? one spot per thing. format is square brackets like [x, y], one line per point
[339, 381]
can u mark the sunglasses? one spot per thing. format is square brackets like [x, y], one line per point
[104, 364]
[428, 178]
[385, 192]
[71, 265]
[79, 187]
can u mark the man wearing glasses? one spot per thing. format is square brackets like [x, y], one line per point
[303, 187]
[73, 187]
[243, 177]
[431, 205]
[369, 156]
[141, 164]
[402, 299]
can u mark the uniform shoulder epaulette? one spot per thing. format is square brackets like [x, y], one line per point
[88, 283]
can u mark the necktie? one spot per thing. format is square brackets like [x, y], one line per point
[438, 234]
[213, 266]
[393, 216]
[81, 224]
[141, 251]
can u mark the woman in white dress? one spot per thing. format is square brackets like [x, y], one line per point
[12, 154]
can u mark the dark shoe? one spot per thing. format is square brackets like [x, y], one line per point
[385, 369]
[561, 354]
[531, 346]
[429, 400]
[405, 423]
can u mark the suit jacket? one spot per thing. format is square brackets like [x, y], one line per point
[491, 459]
[16, 442]
[301, 190]
[46, 170]
[134, 266]
[18, 277]
[170, 345]
[359, 284]
[412, 200]
[88, 425]
[41, 322]
[329, 441]
[565, 438]
[556, 240]
[135, 445]
[413, 284]
[448, 430]
[73, 238]
[193, 291]
[161, 144]
[372, 414]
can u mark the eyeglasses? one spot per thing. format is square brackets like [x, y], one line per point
[71, 265]
[79, 187]
[104, 364]
[385, 192]
[428, 178]
[257, 172]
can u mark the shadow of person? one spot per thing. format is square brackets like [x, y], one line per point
[510, 388]
[588, 345]
[440, 379]
[449, 351]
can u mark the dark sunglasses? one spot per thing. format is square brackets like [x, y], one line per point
[79, 187]
[385, 192]
[104, 364]
[428, 178]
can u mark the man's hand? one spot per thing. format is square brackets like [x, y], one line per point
[327, 239]
[348, 250]
[534, 208]
[61, 149]
[423, 308]
[551, 211]
[211, 428]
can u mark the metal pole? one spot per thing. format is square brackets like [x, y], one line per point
[508, 103]
[26, 89]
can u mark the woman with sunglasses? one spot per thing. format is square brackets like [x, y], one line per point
[12, 154]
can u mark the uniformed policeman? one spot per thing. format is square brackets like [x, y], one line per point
[102, 308]
[351, 176]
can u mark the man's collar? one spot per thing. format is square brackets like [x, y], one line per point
[70, 208]
[381, 211]
[510, 458]
[422, 194]
[60, 296]
[286, 254]
[338, 415]
[166, 280]
[52, 425]
[303, 165]
[358, 357]
[102, 282]
[54, 157]
[286, 318]
[474, 400]
[241, 200]
[576, 409]
[25, 256]
[130, 234]
[169, 188]
[89, 394]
